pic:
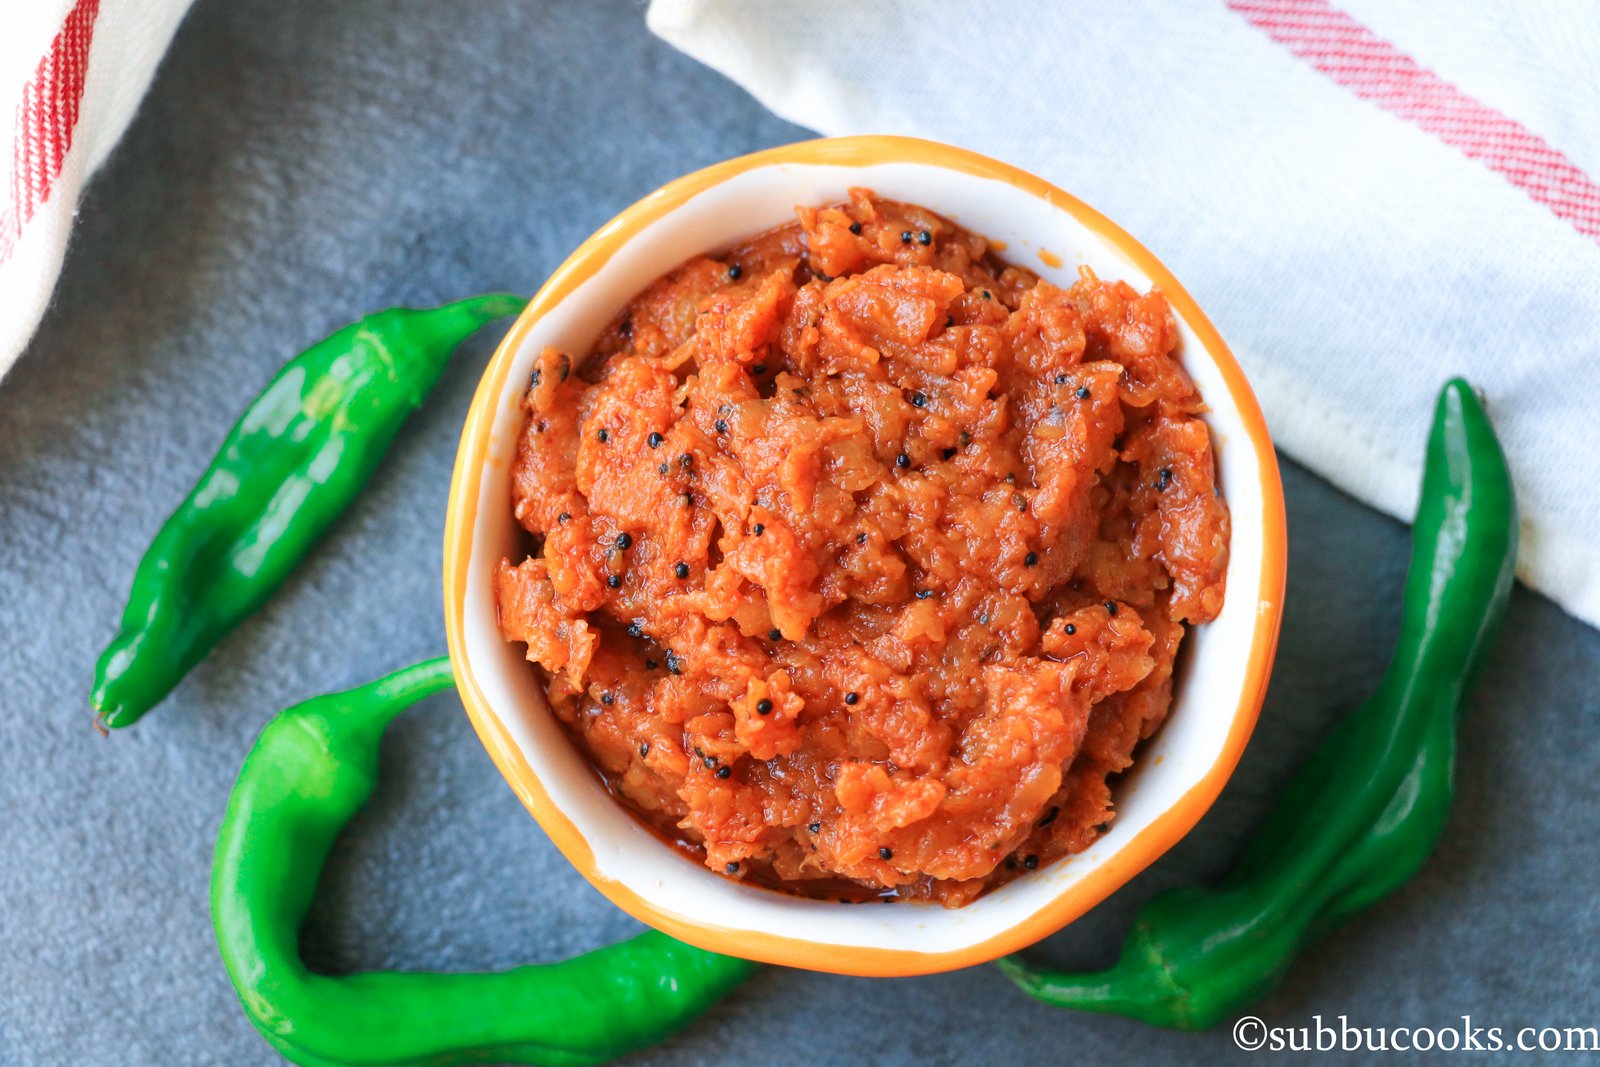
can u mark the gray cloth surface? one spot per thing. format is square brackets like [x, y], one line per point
[298, 164]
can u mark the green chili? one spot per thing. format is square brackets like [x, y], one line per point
[291, 464]
[310, 771]
[1361, 816]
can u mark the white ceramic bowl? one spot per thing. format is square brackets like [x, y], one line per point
[1177, 774]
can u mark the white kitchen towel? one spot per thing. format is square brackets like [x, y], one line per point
[1366, 199]
[71, 74]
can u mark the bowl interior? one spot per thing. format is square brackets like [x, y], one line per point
[1215, 703]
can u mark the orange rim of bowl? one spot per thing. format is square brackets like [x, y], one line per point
[1101, 881]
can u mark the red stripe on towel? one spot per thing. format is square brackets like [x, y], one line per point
[46, 117]
[1375, 70]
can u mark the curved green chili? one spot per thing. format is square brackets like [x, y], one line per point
[291, 464]
[1361, 816]
[312, 769]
